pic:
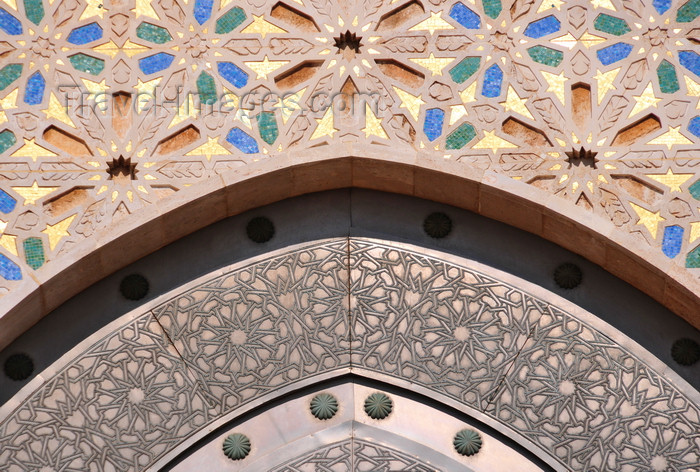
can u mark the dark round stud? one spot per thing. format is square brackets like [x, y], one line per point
[437, 225]
[568, 276]
[19, 366]
[236, 446]
[685, 351]
[134, 287]
[324, 406]
[378, 406]
[260, 229]
[467, 442]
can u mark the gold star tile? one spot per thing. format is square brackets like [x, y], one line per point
[109, 48]
[457, 112]
[493, 142]
[669, 179]
[693, 89]
[432, 24]
[58, 231]
[185, 111]
[264, 67]
[603, 4]
[131, 49]
[590, 40]
[567, 41]
[93, 8]
[10, 100]
[57, 111]
[262, 26]
[694, 232]
[468, 95]
[373, 125]
[96, 89]
[556, 84]
[649, 219]
[515, 103]
[547, 4]
[410, 102]
[432, 63]
[645, 100]
[210, 148]
[670, 138]
[9, 243]
[324, 125]
[33, 150]
[33, 193]
[605, 82]
[289, 103]
[145, 91]
[144, 8]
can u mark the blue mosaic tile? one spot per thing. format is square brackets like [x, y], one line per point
[464, 16]
[547, 25]
[614, 53]
[232, 73]
[202, 10]
[673, 240]
[493, 80]
[85, 34]
[9, 24]
[34, 93]
[434, 119]
[694, 126]
[243, 141]
[155, 63]
[690, 60]
[9, 270]
[7, 203]
[662, 6]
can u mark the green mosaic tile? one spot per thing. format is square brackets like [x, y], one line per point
[34, 252]
[206, 88]
[692, 260]
[610, 24]
[7, 140]
[492, 8]
[9, 74]
[88, 64]
[460, 137]
[688, 12]
[465, 69]
[153, 33]
[695, 190]
[34, 10]
[546, 56]
[267, 124]
[230, 20]
[668, 80]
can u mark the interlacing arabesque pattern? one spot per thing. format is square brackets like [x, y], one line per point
[548, 377]
[109, 106]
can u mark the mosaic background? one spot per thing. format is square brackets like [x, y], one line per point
[106, 107]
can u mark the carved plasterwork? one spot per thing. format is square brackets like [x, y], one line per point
[541, 370]
[110, 107]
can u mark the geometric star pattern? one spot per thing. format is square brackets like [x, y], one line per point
[188, 90]
[582, 394]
